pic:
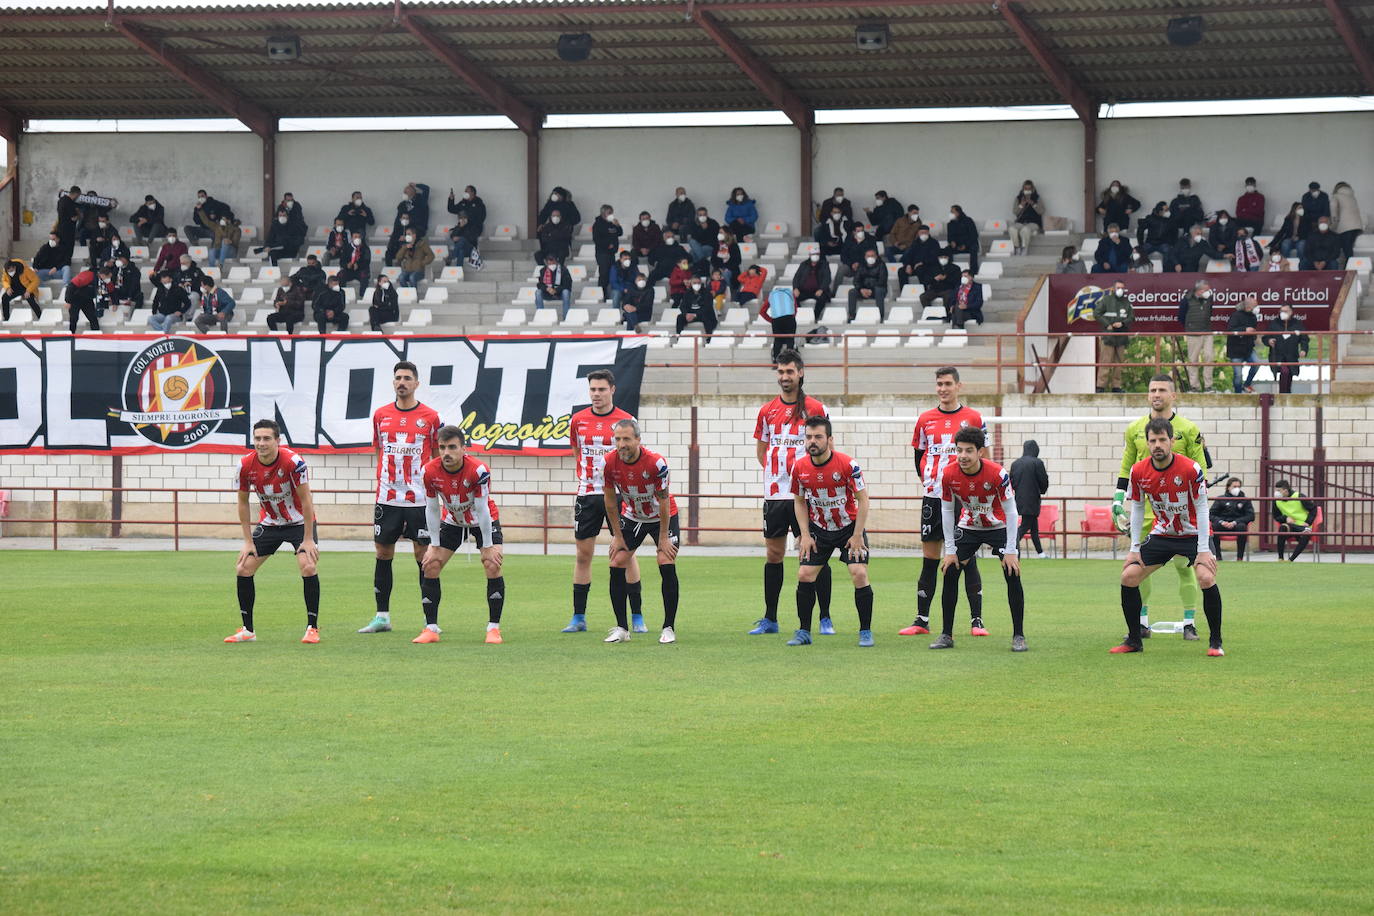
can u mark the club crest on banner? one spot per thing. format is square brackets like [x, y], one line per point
[1084, 302]
[176, 392]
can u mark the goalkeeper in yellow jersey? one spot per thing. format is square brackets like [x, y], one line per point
[1187, 442]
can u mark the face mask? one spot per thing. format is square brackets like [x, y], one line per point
[410, 240]
[914, 217]
[1223, 221]
[682, 197]
[1206, 294]
[668, 240]
[1184, 189]
[1197, 236]
[839, 198]
[923, 237]
[467, 195]
[200, 200]
[1234, 491]
[835, 217]
[556, 220]
[333, 287]
[280, 219]
[339, 228]
[104, 225]
[1115, 236]
[720, 236]
[1249, 189]
[1120, 291]
[814, 257]
[1116, 189]
[944, 260]
[607, 215]
[171, 240]
[1275, 258]
[1028, 190]
[644, 223]
[357, 243]
[739, 198]
[123, 264]
[640, 283]
[702, 219]
[555, 198]
[1164, 213]
[880, 200]
[285, 287]
[52, 243]
[1298, 212]
[953, 215]
[1078, 255]
[966, 281]
[1285, 315]
[859, 236]
[357, 200]
[551, 265]
[624, 263]
[696, 286]
[1322, 227]
[384, 284]
[405, 221]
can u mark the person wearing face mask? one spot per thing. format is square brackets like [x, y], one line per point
[1113, 254]
[18, 281]
[187, 274]
[812, 281]
[725, 257]
[386, 305]
[68, 216]
[1187, 206]
[295, 215]
[356, 215]
[751, 284]
[1292, 514]
[284, 239]
[555, 285]
[1346, 221]
[1323, 248]
[355, 263]
[53, 261]
[679, 279]
[681, 213]
[414, 258]
[1246, 255]
[1116, 206]
[311, 277]
[1070, 261]
[150, 220]
[330, 307]
[463, 240]
[128, 285]
[870, 284]
[665, 257]
[555, 238]
[834, 232]
[903, 234]
[169, 255]
[1315, 205]
[1027, 217]
[885, 213]
[171, 303]
[1291, 238]
[837, 201]
[701, 237]
[697, 306]
[414, 209]
[1231, 516]
[224, 242]
[1287, 347]
[622, 280]
[1158, 234]
[741, 214]
[1140, 262]
[1250, 208]
[80, 298]
[1189, 254]
[105, 243]
[337, 243]
[644, 238]
[1240, 344]
[398, 233]
[1221, 238]
[941, 282]
[216, 306]
[1195, 314]
[1115, 315]
[606, 235]
[472, 205]
[205, 216]
[968, 301]
[637, 303]
[962, 234]
[856, 248]
[288, 306]
[561, 202]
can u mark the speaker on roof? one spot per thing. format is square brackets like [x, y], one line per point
[574, 47]
[283, 47]
[871, 37]
[1184, 31]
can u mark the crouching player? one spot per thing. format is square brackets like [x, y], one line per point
[459, 485]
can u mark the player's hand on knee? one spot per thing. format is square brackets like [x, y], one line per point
[492, 558]
[248, 550]
[805, 545]
[947, 563]
[1012, 564]
[667, 551]
[310, 551]
[1206, 564]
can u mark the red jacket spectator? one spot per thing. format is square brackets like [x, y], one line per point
[678, 280]
[169, 256]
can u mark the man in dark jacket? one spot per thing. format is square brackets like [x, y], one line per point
[606, 234]
[812, 281]
[1240, 345]
[942, 282]
[1190, 252]
[80, 299]
[1287, 345]
[1195, 314]
[852, 254]
[886, 211]
[330, 307]
[1113, 254]
[463, 239]
[555, 284]
[171, 304]
[962, 233]
[356, 215]
[561, 202]
[1157, 233]
[473, 206]
[870, 285]
[701, 236]
[355, 263]
[1187, 206]
[1113, 312]
[1315, 204]
[206, 213]
[555, 238]
[921, 260]
[150, 220]
[128, 285]
[1324, 251]
[386, 304]
[698, 306]
[637, 303]
[284, 238]
[412, 214]
[288, 306]
[105, 243]
[665, 257]
[833, 232]
[1231, 516]
[311, 277]
[54, 260]
[681, 214]
[1030, 481]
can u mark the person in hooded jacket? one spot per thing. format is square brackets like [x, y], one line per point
[1232, 515]
[80, 299]
[561, 202]
[1116, 206]
[19, 282]
[741, 214]
[1029, 481]
[1157, 233]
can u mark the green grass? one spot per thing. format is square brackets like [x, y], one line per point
[148, 767]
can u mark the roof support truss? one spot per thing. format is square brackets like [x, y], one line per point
[1053, 68]
[759, 73]
[1354, 41]
[11, 125]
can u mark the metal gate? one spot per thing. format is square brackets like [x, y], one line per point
[1342, 490]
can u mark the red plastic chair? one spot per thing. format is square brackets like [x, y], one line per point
[1316, 542]
[1098, 523]
[1229, 536]
[1049, 526]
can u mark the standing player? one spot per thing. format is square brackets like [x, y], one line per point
[1187, 442]
[933, 443]
[460, 486]
[592, 438]
[831, 506]
[987, 516]
[279, 477]
[1175, 486]
[780, 443]
[403, 435]
[638, 505]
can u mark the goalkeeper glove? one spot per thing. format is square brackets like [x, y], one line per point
[1119, 516]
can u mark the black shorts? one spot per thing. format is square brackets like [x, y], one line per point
[779, 518]
[391, 523]
[932, 525]
[589, 516]
[635, 532]
[1156, 551]
[968, 540]
[827, 542]
[267, 538]
[451, 537]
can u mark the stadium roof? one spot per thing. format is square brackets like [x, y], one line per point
[455, 58]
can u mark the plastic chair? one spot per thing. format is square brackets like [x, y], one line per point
[1231, 535]
[1316, 542]
[1049, 526]
[1097, 522]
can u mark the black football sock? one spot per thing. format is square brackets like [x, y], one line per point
[806, 602]
[973, 587]
[669, 588]
[248, 593]
[1130, 609]
[312, 600]
[925, 587]
[1016, 599]
[1211, 606]
[772, 588]
[580, 592]
[635, 592]
[430, 593]
[823, 590]
[496, 598]
[949, 599]
[381, 585]
[863, 602]
[618, 598]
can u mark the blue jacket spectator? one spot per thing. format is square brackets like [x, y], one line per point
[1113, 254]
[741, 213]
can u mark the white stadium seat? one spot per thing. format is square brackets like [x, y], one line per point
[921, 338]
[198, 253]
[994, 226]
[407, 295]
[900, 316]
[240, 274]
[251, 296]
[586, 253]
[954, 337]
[776, 251]
[589, 295]
[866, 316]
[1001, 248]
[545, 317]
[436, 295]
[804, 250]
[269, 274]
[504, 233]
[512, 318]
[606, 318]
[576, 318]
[525, 296]
[773, 230]
[450, 275]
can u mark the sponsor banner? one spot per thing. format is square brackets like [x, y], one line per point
[141, 394]
[1156, 298]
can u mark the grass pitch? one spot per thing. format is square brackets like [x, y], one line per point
[150, 768]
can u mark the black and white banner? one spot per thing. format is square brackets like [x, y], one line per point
[142, 394]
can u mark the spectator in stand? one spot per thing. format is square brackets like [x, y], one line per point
[1247, 255]
[725, 257]
[561, 202]
[356, 216]
[720, 290]
[1027, 217]
[1292, 515]
[637, 303]
[697, 305]
[355, 263]
[91, 214]
[1277, 263]
[1323, 248]
[150, 220]
[294, 214]
[171, 303]
[128, 285]
[393, 245]
[19, 282]
[645, 237]
[857, 247]
[812, 281]
[606, 233]
[1315, 204]
[53, 261]
[681, 214]
[679, 279]
[555, 284]
[471, 206]
[284, 239]
[413, 210]
[623, 274]
[386, 305]
[105, 244]
[1115, 315]
[780, 311]
[666, 257]
[1116, 206]
[1231, 516]
[1240, 344]
[1113, 254]
[968, 301]
[1250, 208]
[1346, 221]
[1221, 239]
[1029, 481]
[1291, 238]
[920, 261]
[224, 244]
[741, 214]
[751, 284]
[206, 214]
[962, 234]
[463, 239]
[1140, 262]
[330, 307]
[870, 285]
[1195, 314]
[1070, 261]
[216, 306]
[1189, 254]
[311, 277]
[701, 238]
[1187, 207]
[337, 245]
[941, 281]
[288, 306]
[554, 235]
[68, 216]
[187, 275]
[414, 257]
[836, 201]
[104, 289]
[1157, 233]
[903, 234]
[80, 299]
[834, 232]
[1287, 347]
[885, 214]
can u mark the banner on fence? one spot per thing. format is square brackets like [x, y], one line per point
[141, 394]
[1156, 298]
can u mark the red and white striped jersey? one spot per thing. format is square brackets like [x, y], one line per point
[934, 435]
[785, 436]
[982, 497]
[1173, 493]
[639, 484]
[592, 436]
[404, 440]
[275, 485]
[458, 491]
[829, 489]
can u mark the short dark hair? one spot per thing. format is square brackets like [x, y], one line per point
[207, 280]
[947, 370]
[406, 364]
[790, 357]
[268, 424]
[602, 375]
[1162, 377]
[452, 432]
[1159, 425]
[1283, 485]
[971, 434]
[818, 421]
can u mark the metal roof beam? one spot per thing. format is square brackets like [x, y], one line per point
[1354, 41]
[758, 72]
[259, 120]
[503, 100]
[1054, 70]
[11, 125]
